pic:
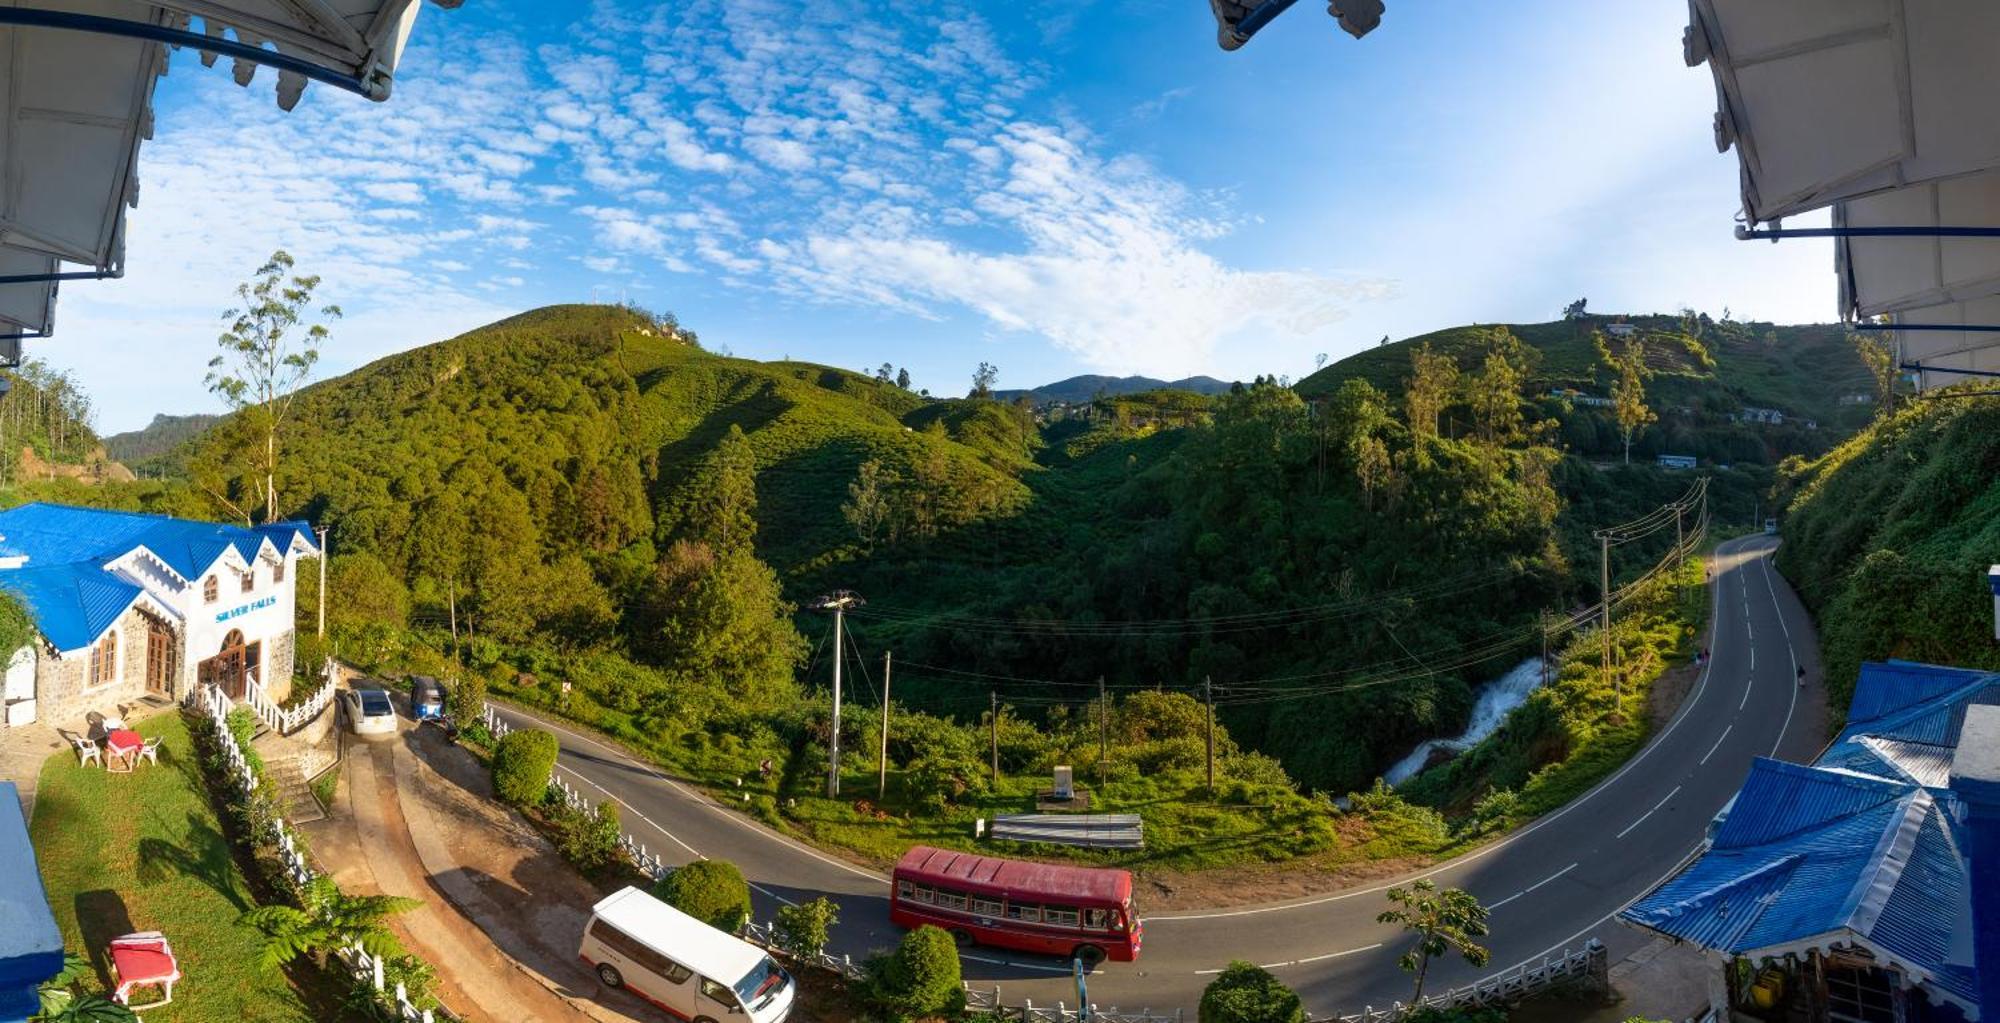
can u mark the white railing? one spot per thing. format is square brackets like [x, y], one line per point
[365, 968]
[1503, 988]
[282, 720]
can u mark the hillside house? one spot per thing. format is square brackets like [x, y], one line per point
[1767, 416]
[128, 606]
[1576, 397]
[1621, 329]
[1677, 461]
[1863, 886]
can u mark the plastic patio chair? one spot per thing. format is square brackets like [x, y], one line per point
[150, 751]
[143, 960]
[87, 752]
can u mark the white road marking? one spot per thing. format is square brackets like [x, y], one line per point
[1532, 887]
[1020, 966]
[698, 799]
[1687, 709]
[1718, 743]
[692, 851]
[1648, 813]
[1299, 962]
[1748, 684]
[1793, 707]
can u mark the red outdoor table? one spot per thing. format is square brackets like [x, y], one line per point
[124, 745]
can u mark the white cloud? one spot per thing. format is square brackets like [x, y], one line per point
[394, 191]
[784, 154]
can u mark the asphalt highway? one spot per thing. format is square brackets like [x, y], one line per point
[1552, 885]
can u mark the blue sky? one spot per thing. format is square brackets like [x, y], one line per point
[1054, 186]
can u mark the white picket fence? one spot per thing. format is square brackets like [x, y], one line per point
[1504, 988]
[364, 967]
[284, 721]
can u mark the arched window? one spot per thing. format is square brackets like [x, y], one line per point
[278, 571]
[209, 590]
[250, 579]
[104, 659]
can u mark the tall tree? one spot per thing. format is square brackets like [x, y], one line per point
[1433, 381]
[1495, 394]
[983, 380]
[870, 499]
[718, 619]
[1628, 392]
[903, 379]
[264, 361]
[1575, 310]
[724, 515]
[1443, 922]
[1881, 363]
[884, 373]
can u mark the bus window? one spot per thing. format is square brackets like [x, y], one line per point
[1096, 919]
[948, 899]
[1061, 916]
[925, 894]
[1026, 912]
[985, 907]
[904, 889]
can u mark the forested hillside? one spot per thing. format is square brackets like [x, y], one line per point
[1888, 539]
[136, 448]
[1701, 372]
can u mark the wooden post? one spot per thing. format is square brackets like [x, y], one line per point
[1103, 732]
[882, 757]
[994, 714]
[451, 603]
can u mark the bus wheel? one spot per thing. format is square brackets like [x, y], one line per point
[1090, 954]
[703, 1019]
[609, 975]
[963, 939]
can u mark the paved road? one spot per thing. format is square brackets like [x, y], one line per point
[1553, 884]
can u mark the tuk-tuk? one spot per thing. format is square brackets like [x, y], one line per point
[426, 699]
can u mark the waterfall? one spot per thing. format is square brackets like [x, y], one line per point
[1496, 700]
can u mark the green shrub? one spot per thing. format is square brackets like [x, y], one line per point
[465, 699]
[1486, 1015]
[589, 840]
[522, 763]
[1243, 993]
[804, 929]
[712, 891]
[921, 978]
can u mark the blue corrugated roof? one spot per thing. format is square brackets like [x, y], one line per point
[1864, 844]
[63, 582]
[31, 948]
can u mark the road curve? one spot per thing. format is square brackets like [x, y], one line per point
[1555, 883]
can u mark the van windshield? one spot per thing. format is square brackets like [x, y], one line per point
[763, 979]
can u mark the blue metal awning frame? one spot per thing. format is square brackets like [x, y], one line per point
[374, 87]
[1748, 234]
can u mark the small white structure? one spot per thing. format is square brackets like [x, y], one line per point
[1993, 582]
[1621, 329]
[1677, 461]
[1065, 781]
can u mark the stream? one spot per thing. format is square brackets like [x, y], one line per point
[1496, 699]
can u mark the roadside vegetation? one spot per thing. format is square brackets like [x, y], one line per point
[1888, 539]
[589, 514]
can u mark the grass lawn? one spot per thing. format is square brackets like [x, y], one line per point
[144, 852]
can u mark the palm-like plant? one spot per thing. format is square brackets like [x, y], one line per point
[328, 919]
[1442, 921]
[61, 1003]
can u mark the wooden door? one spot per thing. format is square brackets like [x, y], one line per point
[159, 660]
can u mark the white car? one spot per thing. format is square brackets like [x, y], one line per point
[367, 711]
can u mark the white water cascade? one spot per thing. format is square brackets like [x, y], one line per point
[1496, 699]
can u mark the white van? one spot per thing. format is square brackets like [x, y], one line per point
[682, 965]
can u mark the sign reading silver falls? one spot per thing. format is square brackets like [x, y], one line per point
[238, 612]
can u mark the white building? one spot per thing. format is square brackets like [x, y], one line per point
[127, 606]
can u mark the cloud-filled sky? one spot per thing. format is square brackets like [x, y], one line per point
[1054, 186]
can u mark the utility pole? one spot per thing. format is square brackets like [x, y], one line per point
[839, 601]
[322, 582]
[1103, 732]
[1545, 647]
[882, 757]
[994, 715]
[451, 605]
[1680, 537]
[1604, 583]
[1208, 697]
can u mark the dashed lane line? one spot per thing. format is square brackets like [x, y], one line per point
[1718, 742]
[1793, 652]
[1020, 966]
[1532, 887]
[1300, 962]
[1648, 813]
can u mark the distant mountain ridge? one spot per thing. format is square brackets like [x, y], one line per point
[160, 436]
[1091, 385]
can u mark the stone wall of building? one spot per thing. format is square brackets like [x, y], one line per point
[280, 654]
[61, 696]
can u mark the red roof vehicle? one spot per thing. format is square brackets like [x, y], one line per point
[1081, 912]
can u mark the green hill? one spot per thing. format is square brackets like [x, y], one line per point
[1888, 539]
[1704, 371]
[136, 448]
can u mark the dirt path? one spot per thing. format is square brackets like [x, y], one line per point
[475, 978]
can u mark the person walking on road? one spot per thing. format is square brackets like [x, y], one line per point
[1802, 676]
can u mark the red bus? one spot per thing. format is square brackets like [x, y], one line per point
[1080, 912]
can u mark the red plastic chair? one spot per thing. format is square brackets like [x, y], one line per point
[143, 960]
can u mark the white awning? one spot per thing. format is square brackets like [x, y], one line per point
[1886, 274]
[1833, 99]
[1943, 357]
[76, 88]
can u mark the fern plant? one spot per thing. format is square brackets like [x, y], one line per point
[61, 1003]
[326, 920]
